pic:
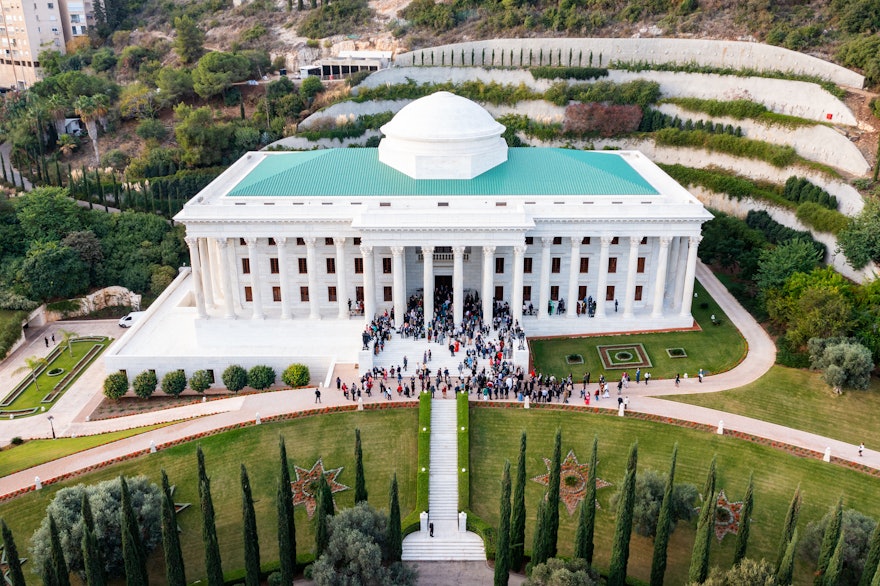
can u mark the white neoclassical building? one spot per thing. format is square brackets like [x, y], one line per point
[286, 246]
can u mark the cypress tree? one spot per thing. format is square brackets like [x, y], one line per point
[60, 573]
[213, 565]
[395, 535]
[791, 519]
[583, 541]
[553, 496]
[664, 526]
[251, 539]
[745, 523]
[876, 580]
[518, 515]
[3, 168]
[709, 488]
[360, 483]
[786, 569]
[93, 564]
[175, 574]
[86, 190]
[835, 564]
[322, 517]
[623, 529]
[699, 569]
[49, 573]
[872, 561]
[16, 576]
[58, 174]
[502, 555]
[541, 543]
[829, 542]
[71, 186]
[286, 526]
[133, 553]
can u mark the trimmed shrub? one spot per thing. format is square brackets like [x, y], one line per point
[604, 120]
[145, 384]
[261, 377]
[235, 378]
[822, 219]
[296, 375]
[115, 385]
[580, 73]
[173, 383]
[200, 381]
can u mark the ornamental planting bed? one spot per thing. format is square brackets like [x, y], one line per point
[620, 356]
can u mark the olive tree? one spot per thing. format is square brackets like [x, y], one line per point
[844, 362]
[649, 496]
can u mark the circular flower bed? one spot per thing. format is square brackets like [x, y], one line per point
[574, 359]
[55, 372]
[623, 356]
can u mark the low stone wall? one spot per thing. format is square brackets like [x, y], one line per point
[715, 53]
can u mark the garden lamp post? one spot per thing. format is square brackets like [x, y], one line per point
[52, 425]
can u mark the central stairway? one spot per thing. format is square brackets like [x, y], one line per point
[448, 542]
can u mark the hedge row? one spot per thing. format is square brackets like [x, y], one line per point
[822, 219]
[800, 190]
[776, 155]
[776, 233]
[739, 109]
[464, 465]
[581, 73]
[726, 182]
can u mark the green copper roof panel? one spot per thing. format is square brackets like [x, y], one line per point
[358, 172]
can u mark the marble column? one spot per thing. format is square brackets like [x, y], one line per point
[284, 274]
[631, 268]
[341, 286]
[603, 276]
[312, 273]
[256, 294]
[488, 293]
[660, 278]
[207, 281]
[458, 284]
[573, 273]
[516, 296]
[544, 285]
[398, 289]
[671, 265]
[369, 283]
[428, 283]
[228, 264]
[196, 265]
[679, 271]
[687, 298]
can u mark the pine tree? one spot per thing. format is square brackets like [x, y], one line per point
[553, 496]
[623, 529]
[518, 515]
[745, 523]
[829, 542]
[872, 561]
[251, 539]
[286, 526]
[175, 574]
[785, 573]
[502, 555]
[213, 565]
[395, 535]
[664, 526]
[322, 517]
[583, 542]
[190, 39]
[360, 483]
[133, 554]
[93, 565]
[60, 573]
[835, 564]
[791, 519]
[699, 569]
[16, 576]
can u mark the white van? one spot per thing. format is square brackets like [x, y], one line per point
[130, 319]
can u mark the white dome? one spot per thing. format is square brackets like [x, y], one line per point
[442, 136]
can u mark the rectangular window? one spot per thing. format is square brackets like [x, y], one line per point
[640, 265]
[529, 240]
[358, 293]
[300, 242]
[585, 265]
[276, 294]
[248, 294]
[331, 266]
[609, 293]
[357, 241]
[557, 240]
[612, 265]
[331, 293]
[555, 264]
[644, 240]
[585, 240]
[386, 293]
[303, 265]
[615, 240]
[527, 265]
[638, 293]
[304, 294]
[245, 266]
[499, 266]
[241, 242]
[358, 265]
[272, 242]
[554, 292]
[386, 266]
[328, 241]
[527, 293]
[211, 375]
[499, 292]
[582, 292]
[273, 266]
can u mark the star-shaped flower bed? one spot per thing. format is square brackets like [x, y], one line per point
[305, 487]
[4, 565]
[727, 516]
[573, 481]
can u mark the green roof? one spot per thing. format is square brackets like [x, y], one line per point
[358, 172]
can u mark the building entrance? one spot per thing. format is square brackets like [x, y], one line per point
[443, 283]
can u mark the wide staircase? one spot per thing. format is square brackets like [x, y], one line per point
[448, 542]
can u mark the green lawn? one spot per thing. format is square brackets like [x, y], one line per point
[495, 437]
[389, 446]
[715, 349]
[800, 399]
[36, 452]
[10, 328]
[33, 394]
